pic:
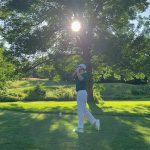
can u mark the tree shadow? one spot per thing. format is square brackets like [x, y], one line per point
[94, 108]
[118, 133]
[49, 131]
[36, 131]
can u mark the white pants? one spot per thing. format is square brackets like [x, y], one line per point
[82, 109]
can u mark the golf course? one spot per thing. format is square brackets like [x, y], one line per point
[36, 125]
[74, 74]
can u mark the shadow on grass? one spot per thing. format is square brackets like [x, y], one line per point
[35, 131]
[117, 134]
[94, 108]
[50, 132]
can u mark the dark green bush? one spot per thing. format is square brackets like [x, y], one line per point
[65, 94]
[97, 92]
[142, 90]
[37, 93]
[4, 97]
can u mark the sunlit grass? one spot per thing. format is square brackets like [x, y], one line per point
[38, 125]
[115, 107]
[40, 106]
[19, 91]
[47, 131]
[126, 107]
[141, 127]
[144, 131]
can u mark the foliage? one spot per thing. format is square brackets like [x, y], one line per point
[112, 35]
[37, 93]
[107, 31]
[98, 90]
[55, 69]
[125, 91]
[7, 69]
[31, 90]
[64, 93]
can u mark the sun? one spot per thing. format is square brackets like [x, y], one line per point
[76, 26]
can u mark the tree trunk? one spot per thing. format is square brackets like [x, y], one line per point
[86, 48]
[90, 83]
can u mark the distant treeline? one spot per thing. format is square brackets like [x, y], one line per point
[135, 80]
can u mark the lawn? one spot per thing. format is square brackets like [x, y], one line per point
[21, 90]
[38, 126]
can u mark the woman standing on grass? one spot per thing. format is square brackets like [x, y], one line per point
[81, 76]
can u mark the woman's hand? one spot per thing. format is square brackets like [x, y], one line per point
[77, 70]
[79, 74]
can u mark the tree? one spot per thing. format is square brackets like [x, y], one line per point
[7, 69]
[60, 65]
[43, 25]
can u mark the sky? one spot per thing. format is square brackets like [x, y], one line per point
[147, 12]
[144, 14]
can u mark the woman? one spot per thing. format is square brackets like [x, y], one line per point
[81, 76]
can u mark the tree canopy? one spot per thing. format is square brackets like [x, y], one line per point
[108, 38]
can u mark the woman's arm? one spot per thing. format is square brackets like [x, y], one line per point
[74, 74]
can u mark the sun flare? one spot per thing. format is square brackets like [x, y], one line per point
[76, 26]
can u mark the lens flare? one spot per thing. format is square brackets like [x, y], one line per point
[76, 26]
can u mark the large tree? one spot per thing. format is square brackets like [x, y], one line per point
[44, 26]
[7, 69]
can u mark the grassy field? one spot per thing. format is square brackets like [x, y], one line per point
[37, 126]
[23, 90]
[19, 90]
[140, 108]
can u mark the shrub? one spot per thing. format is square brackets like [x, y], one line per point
[97, 90]
[37, 93]
[140, 91]
[65, 94]
[5, 97]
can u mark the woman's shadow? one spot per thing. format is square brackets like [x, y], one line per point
[94, 108]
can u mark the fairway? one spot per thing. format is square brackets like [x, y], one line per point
[37, 126]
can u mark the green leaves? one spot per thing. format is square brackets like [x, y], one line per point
[7, 69]
[106, 30]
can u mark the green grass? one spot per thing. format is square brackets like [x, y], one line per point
[32, 126]
[125, 91]
[37, 125]
[19, 91]
[111, 107]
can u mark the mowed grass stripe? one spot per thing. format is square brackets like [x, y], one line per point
[126, 108]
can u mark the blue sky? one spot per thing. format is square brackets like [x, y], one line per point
[147, 12]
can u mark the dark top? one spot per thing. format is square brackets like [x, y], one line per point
[81, 84]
